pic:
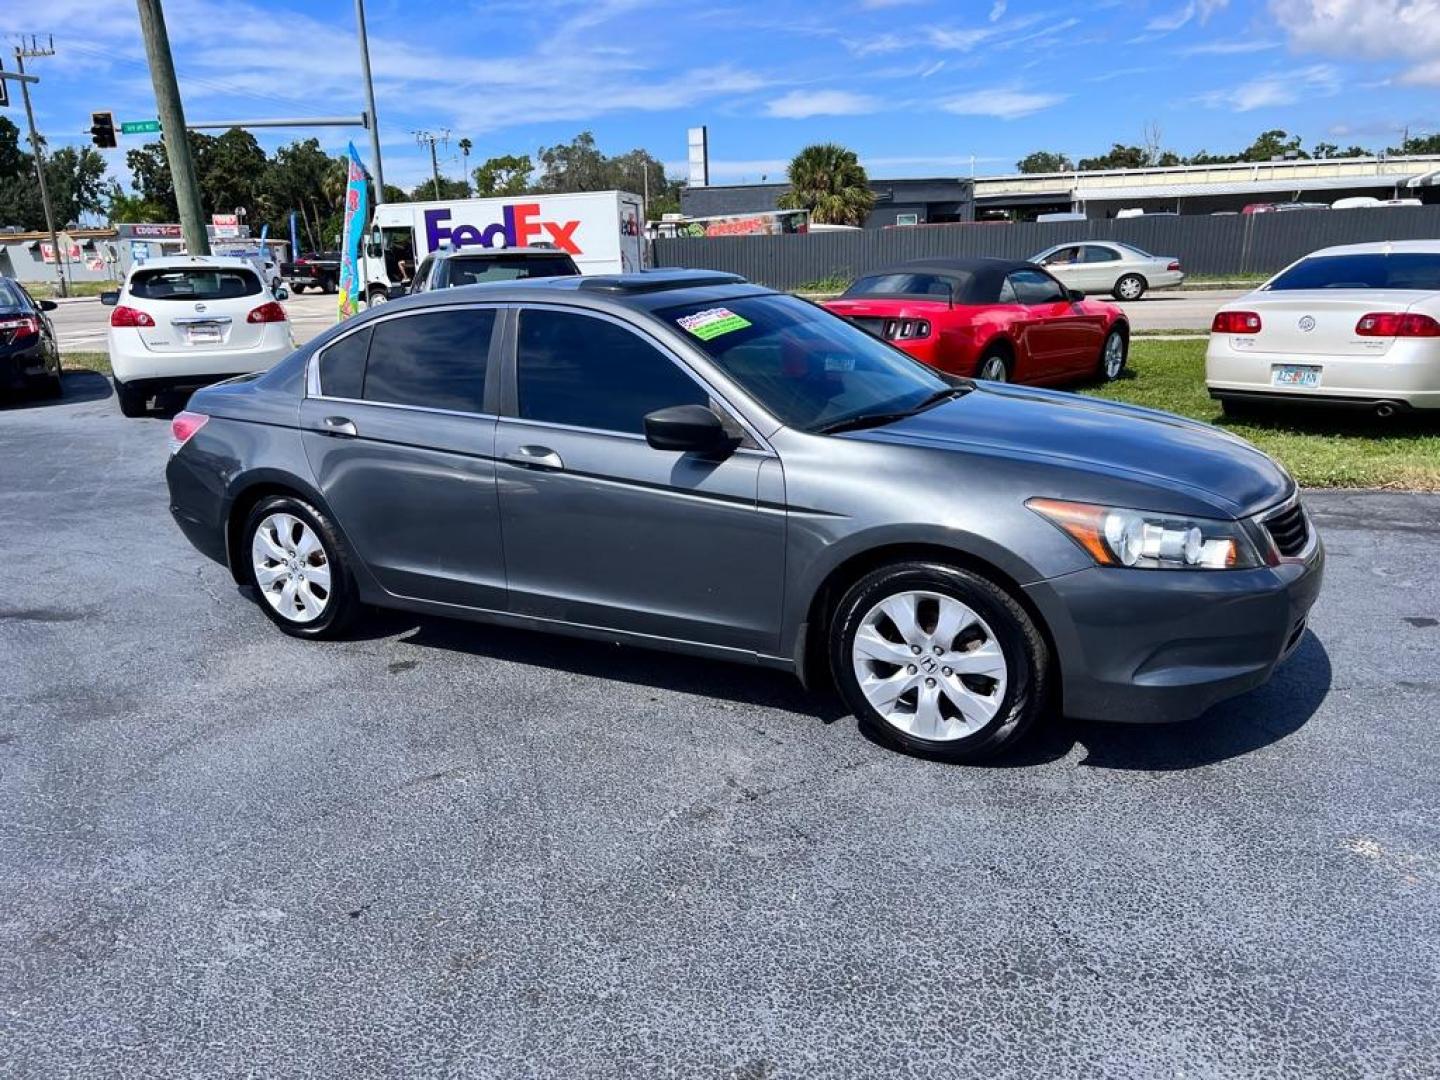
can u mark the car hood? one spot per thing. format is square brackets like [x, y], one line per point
[1123, 442]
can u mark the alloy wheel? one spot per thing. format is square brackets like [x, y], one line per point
[993, 369]
[291, 567]
[1114, 356]
[1130, 288]
[930, 666]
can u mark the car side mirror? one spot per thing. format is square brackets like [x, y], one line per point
[1075, 295]
[111, 298]
[48, 305]
[689, 429]
[282, 293]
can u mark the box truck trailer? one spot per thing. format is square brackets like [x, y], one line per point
[601, 230]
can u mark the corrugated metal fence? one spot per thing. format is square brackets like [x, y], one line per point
[1242, 244]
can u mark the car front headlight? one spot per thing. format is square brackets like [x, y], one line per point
[1139, 540]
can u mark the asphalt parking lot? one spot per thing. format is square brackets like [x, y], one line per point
[81, 324]
[446, 849]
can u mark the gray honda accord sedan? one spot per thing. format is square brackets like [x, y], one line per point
[683, 460]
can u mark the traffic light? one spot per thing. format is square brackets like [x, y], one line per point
[102, 130]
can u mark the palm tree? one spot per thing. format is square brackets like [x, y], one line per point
[829, 181]
[465, 147]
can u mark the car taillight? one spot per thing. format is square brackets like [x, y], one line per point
[184, 427]
[1235, 322]
[905, 329]
[268, 312]
[129, 316]
[1174, 265]
[1397, 324]
[24, 326]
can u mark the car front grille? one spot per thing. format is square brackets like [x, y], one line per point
[1290, 530]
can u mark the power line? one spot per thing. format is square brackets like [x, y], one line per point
[423, 137]
[24, 52]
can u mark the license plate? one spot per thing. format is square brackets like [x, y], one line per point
[203, 334]
[1295, 375]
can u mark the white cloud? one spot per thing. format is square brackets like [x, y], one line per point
[1183, 16]
[997, 10]
[1402, 31]
[1001, 103]
[1276, 88]
[1229, 48]
[799, 104]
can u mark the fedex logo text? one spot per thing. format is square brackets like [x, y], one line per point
[517, 229]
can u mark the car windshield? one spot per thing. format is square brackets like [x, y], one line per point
[1374, 270]
[465, 271]
[194, 283]
[909, 284]
[809, 368]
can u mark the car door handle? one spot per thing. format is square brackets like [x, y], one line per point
[339, 425]
[535, 457]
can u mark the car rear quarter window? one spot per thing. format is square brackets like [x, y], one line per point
[907, 284]
[342, 365]
[1372, 270]
[432, 359]
[582, 371]
[194, 283]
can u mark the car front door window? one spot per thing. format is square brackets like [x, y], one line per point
[1034, 287]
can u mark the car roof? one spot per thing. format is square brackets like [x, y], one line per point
[1384, 247]
[981, 277]
[171, 262]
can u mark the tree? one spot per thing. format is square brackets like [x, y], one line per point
[1272, 144]
[1119, 157]
[232, 173]
[574, 166]
[130, 209]
[449, 189]
[465, 147]
[1044, 161]
[396, 194]
[507, 175]
[1417, 144]
[1330, 150]
[75, 177]
[828, 180]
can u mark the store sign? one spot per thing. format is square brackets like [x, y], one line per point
[156, 232]
[68, 246]
[226, 224]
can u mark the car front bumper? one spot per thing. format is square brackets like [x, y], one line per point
[1407, 373]
[1152, 646]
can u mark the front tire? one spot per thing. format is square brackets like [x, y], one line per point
[938, 661]
[294, 560]
[1113, 355]
[1130, 287]
[134, 403]
[378, 296]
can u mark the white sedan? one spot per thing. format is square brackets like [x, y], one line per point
[1122, 270]
[188, 321]
[1354, 325]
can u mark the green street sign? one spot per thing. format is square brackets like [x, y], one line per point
[139, 127]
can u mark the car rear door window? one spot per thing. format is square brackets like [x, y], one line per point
[1094, 254]
[431, 360]
[1034, 287]
[342, 365]
[586, 372]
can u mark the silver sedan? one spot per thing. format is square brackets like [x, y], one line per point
[1122, 270]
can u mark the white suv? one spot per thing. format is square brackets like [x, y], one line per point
[186, 322]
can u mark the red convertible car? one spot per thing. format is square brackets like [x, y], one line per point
[991, 319]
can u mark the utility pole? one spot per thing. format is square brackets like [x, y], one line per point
[422, 137]
[172, 125]
[21, 52]
[373, 124]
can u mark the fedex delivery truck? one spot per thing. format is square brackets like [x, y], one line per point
[601, 230]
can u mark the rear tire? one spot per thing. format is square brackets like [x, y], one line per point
[1130, 287]
[960, 672]
[291, 556]
[133, 403]
[329, 287]
[1114, 355]
[994, 365]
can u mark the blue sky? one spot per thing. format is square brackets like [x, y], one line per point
[917, 87]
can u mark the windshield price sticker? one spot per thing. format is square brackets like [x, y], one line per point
[709, 324]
